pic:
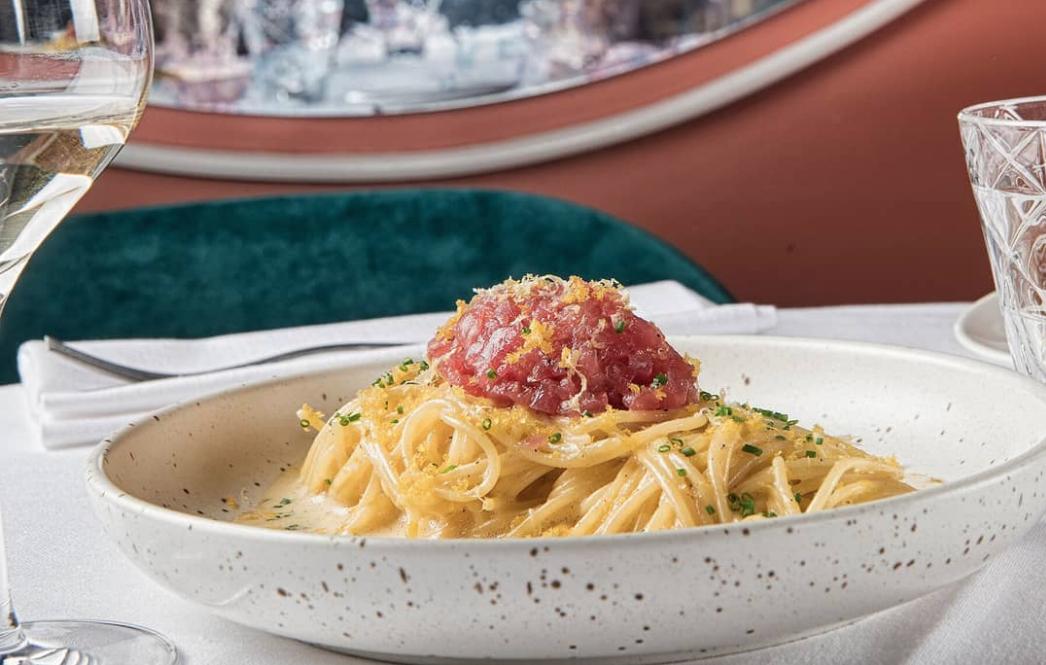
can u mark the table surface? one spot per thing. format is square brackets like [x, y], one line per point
[61, 566]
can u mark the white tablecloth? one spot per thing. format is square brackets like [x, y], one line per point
[62, 566]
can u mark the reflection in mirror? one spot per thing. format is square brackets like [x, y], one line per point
[365, 57]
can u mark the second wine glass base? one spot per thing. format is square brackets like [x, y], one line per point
[91, 643]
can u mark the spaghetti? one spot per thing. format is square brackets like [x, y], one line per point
[414, 455]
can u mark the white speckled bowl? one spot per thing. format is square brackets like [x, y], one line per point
[157, 488]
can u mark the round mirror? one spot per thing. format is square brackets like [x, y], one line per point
[377, 57]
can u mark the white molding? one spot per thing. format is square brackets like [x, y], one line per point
[526, 150]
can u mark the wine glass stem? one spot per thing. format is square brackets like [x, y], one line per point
[11, 636]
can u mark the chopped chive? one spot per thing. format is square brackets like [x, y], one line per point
[809, 437]
[689, 452]
[752, 450]
[798, 497]
[780, 437]
[818, 441]
[353, 417]
[555, 437]
[737, 419]
[776, 415]
[680, 472]
[724, 411]
[327, 482]
[791, 422]
[491, 374]
[449, 468]
[394, 421]
[706, 396]
[676, 440]
[399, 409]
[291, 527]
[811, 453]
[526, 330]
[770, 513]
[424, 365]
[619, 327]
[664, 448]
[586, 413]
[486, 424]
[659, 380]
[710, 510]
[304, 423]
[747, 505]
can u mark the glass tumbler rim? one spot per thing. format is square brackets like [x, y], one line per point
[971, 114]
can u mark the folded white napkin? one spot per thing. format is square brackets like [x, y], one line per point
[72, 404]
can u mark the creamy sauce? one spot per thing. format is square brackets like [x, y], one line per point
[920, 481]
[288, 506]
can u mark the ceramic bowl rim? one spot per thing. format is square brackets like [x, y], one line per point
[103, 488]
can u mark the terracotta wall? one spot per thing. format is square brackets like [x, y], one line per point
[844, 183]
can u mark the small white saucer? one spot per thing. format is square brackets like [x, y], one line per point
[981, 331]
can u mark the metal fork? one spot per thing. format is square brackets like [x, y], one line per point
[141, 375]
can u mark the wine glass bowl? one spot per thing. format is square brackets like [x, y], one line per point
[74, 75]
[73, 81]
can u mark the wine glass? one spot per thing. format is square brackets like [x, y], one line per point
[73, 81]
